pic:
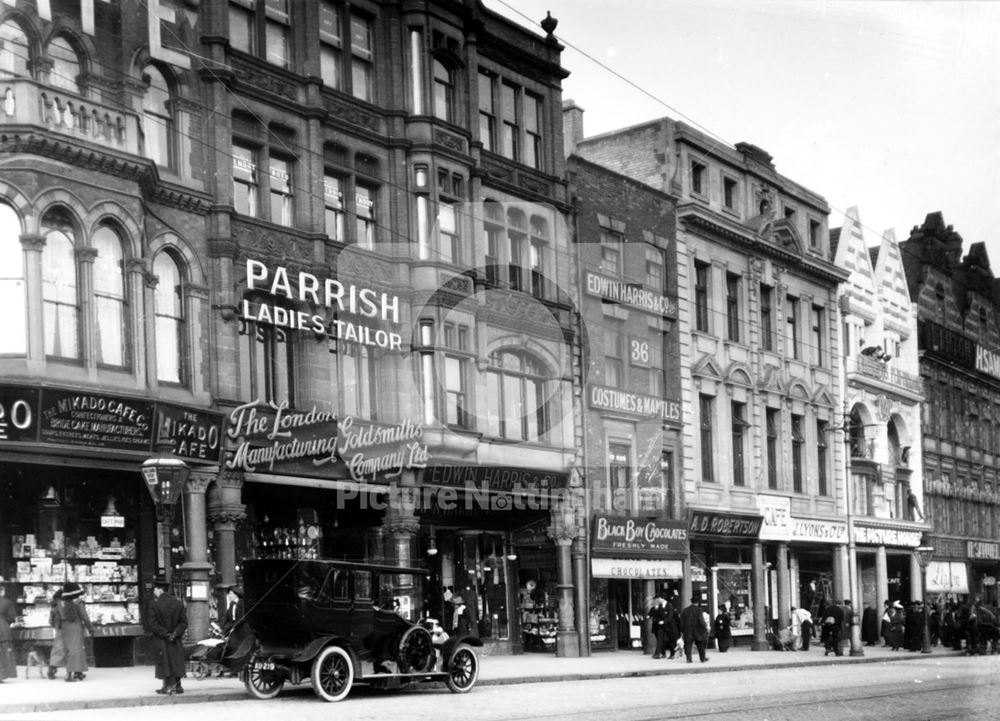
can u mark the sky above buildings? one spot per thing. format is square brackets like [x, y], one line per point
[893, 107]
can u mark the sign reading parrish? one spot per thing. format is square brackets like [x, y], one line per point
[364, 306]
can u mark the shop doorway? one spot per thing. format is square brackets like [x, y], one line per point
[626, 607]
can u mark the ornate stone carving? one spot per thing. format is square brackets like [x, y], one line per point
[452, 142]
[363, 266]
[352, 115]
[199, 481]
[226, 516]
[460, 284]
[264, 81]
[401, 525]
[230, 479]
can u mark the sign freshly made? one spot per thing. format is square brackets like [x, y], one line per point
[625, 537]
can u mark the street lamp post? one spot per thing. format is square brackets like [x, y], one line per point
[924, 555]
[165, 475]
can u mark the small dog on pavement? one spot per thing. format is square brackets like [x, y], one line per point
[38, 658]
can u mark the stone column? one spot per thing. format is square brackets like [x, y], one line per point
[916, 581]
[784, 590]
[840, 581]
[196, 566]
[881, 579]
[793, 576]
[225, 511]
[402, 525]
[759, 642]
[33, 245]
[85, 256]
[581, 578]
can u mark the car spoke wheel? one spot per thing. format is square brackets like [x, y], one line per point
[416, 650]
[261, 679]
[463, 669]
[332, 673]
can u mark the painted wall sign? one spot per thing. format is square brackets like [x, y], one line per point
[634, 404]
[947, 577]
[95, 420]
[197, 434]
[989, 550]
[820, 531]
[370, 450]
[777, 514]
[352, 313]
[729, 525]
[630, 294]
[624, 537]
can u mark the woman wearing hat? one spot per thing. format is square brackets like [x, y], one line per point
[69, 619]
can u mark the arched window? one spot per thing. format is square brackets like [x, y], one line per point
[110, 333]
[13, 340]
[65, 65]
[444, 91]
[60, 301]
[517, 404]
[13, 50]
[158, 123]
[168, 307]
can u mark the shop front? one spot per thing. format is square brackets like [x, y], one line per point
[632, 560]
[984, 568]
[74, 509]
[887, 567]
[727, 566]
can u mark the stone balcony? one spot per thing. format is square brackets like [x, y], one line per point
[26, 103]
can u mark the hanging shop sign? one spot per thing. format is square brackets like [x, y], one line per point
[630, 294]
[635, 568]
[726, 525]
[345, 312]
[277, 439]
[884, 536]
[196, 434]
[776, 512]
[635, 405]
[625, 537]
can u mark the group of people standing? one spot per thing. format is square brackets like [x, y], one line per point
[691, 624]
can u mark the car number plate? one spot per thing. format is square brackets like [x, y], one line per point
[265, 665]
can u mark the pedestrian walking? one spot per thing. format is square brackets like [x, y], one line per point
[167, 623]
[8, 613]
[886, 622]
[694, 629]
[897, 622]
[462, 623]
[722, 627]
[68, 616]
[657, 624]
[869, 626]
[671, 628]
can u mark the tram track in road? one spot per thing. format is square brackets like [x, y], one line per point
[853, 704]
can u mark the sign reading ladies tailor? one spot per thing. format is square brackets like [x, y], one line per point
[274, 438]
[356, 310]
[624, 537]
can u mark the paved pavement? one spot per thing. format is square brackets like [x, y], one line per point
[134, 686]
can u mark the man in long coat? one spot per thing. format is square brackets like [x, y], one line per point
[168, 622]
[694, 629]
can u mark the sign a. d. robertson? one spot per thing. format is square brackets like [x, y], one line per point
[626, 537]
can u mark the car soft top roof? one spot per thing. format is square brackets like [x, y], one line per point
[333, 563]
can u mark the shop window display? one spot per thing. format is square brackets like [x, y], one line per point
[539, 609]
[66, 526]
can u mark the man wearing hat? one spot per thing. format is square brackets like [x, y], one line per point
[167, 623]
[694, 629]
[462, 621]
[68, 617]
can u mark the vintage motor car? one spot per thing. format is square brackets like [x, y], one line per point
[339, 623]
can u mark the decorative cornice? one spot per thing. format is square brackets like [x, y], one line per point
[85, 253]
[33, 241]
[199, 481]
[401, 526]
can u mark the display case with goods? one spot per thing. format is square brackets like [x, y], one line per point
[539, 617]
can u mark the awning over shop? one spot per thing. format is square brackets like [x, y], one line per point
[635, 568]
[947, 577]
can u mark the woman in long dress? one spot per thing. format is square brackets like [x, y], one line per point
[69, 619]
[8, 613]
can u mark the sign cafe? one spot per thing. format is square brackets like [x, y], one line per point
[272, 437]
[364, 305]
